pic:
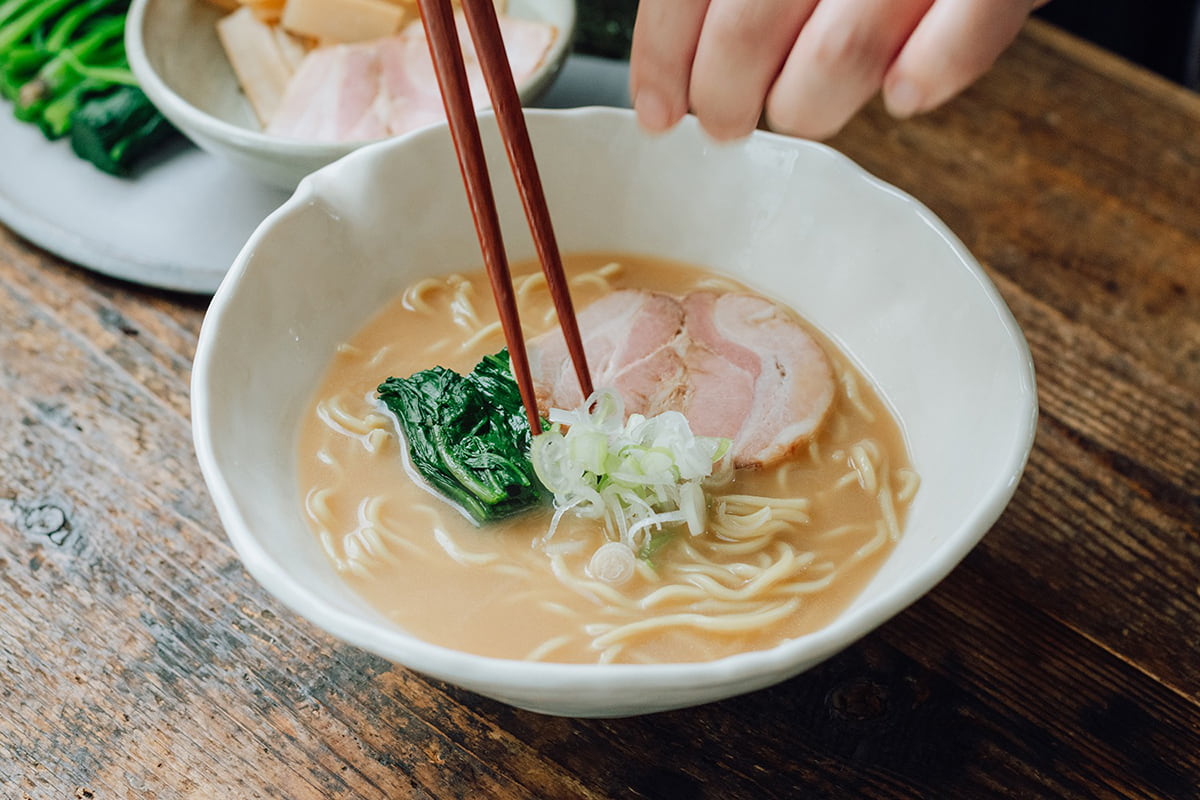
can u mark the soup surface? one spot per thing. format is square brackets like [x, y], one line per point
[787, 547]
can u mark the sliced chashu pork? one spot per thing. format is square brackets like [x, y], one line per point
[627, 338]
[784, 380]
[736, 365]
[386, 87]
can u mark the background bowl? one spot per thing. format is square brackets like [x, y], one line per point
[867, 264]
[179, 62]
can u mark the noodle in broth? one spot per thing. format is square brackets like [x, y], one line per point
[787, 547]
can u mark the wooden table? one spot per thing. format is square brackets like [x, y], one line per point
[1061, 659]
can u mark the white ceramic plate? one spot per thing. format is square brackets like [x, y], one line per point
[181, 222]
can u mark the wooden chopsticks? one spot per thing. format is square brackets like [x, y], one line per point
[441, 31]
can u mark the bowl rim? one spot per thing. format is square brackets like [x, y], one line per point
[787, 658]
[190, 117]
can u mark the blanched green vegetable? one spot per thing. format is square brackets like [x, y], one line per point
[28, 21]
[468, 436]
[115, 131]
[63, 66]
[67, 68]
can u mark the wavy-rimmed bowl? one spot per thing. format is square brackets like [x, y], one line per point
[179, 62]
[866, 263]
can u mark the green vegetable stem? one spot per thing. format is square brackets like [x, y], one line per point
[66, 69]
[467, 436]
[26, 21]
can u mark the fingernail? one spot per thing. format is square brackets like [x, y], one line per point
[903, 99]
[652, 111]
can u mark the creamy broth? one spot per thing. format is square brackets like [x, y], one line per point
[835, 508]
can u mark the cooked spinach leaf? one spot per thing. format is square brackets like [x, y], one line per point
[468, 436]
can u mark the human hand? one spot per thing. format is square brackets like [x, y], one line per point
[807, 66]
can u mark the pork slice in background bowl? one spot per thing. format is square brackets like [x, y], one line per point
[179, 60]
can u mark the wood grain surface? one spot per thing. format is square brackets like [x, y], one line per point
[1061, 659]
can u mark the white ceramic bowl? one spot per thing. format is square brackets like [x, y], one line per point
[178, 61]
[866, 263]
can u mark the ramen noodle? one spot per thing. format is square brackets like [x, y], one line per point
[787, 547]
